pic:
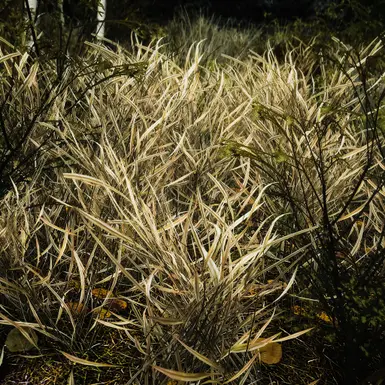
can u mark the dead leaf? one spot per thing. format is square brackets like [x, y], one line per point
[101, 293]
[117, 305]
[76, 308]
[17, 342]
[103, 313]
[324, 317]
[270, 354]
[298, 310]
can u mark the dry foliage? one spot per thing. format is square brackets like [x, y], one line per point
[150, 228]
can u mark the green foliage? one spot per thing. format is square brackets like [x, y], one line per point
[12, 23]
[365, 308]
[353, 19]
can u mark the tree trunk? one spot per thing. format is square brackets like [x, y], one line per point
[101, 16]
[61, 12]
[31, 19]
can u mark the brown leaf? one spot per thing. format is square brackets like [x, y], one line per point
[104, 313]
[117, 305]
[271, 354]
[101, 293]
[76, 308]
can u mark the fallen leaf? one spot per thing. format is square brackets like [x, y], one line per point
[298, 310]
[104, 313]
[101, 293]
[324, 317]
[76, 308]
[117, 305]
[17, 342]
[271, 353]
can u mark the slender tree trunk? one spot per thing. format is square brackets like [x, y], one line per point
[100, 31]
[32, 6]
[31, 18]
[61, 12]
[61, 57]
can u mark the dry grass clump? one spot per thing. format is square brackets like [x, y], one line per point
[218, 36]
[147, 202]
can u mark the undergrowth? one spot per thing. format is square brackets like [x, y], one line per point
[182, 219]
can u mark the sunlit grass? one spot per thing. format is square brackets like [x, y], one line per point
[193, 194]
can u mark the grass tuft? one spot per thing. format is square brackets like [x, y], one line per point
[179, 210]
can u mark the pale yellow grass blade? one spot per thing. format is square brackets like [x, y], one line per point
[71, 378]
[352, 213]
[289, 285]
[63, 246]
[200, 356]
[182, 376]
[167, 321]
[9, 56]
[81, 361]
[263, 328]
[109, 229]
[243, 370]
[292, 336]
[2, 355]
[249, 347]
